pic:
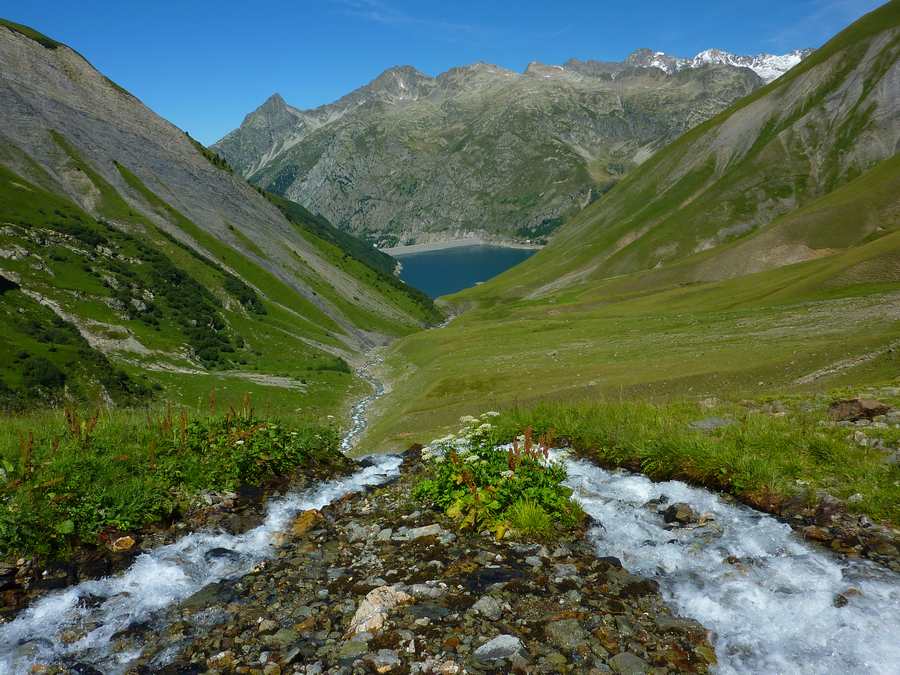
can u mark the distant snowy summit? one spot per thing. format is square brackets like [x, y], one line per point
[767, 66]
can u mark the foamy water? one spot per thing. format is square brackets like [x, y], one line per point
[774, 611]
[158, 579]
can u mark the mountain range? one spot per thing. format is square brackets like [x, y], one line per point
[482, 150]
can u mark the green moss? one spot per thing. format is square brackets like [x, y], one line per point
[31, 34]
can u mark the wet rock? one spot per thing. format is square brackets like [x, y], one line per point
[356, 533]
[840, 600]
[352, 650]
[627, 663]
[501, 647]
[281, 639]
[384, 661]
[488, 607]
[221, 661]
[856, 409]
[680, 513]
[373, 611]
[266, 626]
[304, 522]
[220, 553]
[211, 594]
[566, 634]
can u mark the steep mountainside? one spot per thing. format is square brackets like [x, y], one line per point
[121, 238]
[757, 255]
[802, 169]
[479, 149]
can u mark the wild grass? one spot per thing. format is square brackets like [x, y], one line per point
[530, 517]
[756, 454]
[76, 476]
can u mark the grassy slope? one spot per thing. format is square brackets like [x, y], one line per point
[620, 327]
[272, 337]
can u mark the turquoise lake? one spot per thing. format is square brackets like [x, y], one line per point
[452, 269]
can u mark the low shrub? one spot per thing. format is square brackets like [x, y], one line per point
[482, 485]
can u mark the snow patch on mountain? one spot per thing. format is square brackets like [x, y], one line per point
[767, 66]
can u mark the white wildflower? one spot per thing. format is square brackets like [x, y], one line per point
[490, 413]
[467, 419]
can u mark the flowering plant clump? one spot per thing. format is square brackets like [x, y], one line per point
[481, 483]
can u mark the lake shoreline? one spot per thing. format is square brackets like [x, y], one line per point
[455, 243]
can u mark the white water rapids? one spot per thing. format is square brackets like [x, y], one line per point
[158, 579]
[771, 612]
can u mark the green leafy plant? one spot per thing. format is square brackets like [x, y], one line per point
[480, 484]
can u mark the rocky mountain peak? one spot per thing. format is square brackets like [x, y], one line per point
[399, 83]
[274, 112]
[273, 103]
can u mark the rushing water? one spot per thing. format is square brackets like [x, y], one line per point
[169, 574]
[452, 269]
[772, 610]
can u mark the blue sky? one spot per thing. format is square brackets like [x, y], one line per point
[204, 65]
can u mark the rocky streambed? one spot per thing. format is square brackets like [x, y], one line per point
[375, 583]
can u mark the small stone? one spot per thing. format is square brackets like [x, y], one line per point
[356, 532]
[385, 534]
[565, 570]
[857, 409]
[680, 512]
[271, 669]
[627, 663]
[266, 626]
[304, 522]
[433, 530]
[711, 423]
[373, 610]
[122, 544]
[488, 607]
[283, 638]
[352, 650]
[566, 634]
[384, 660]
[501, 647]
[221, 661]
[533, 561]
[840, 600]
[855, 498]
